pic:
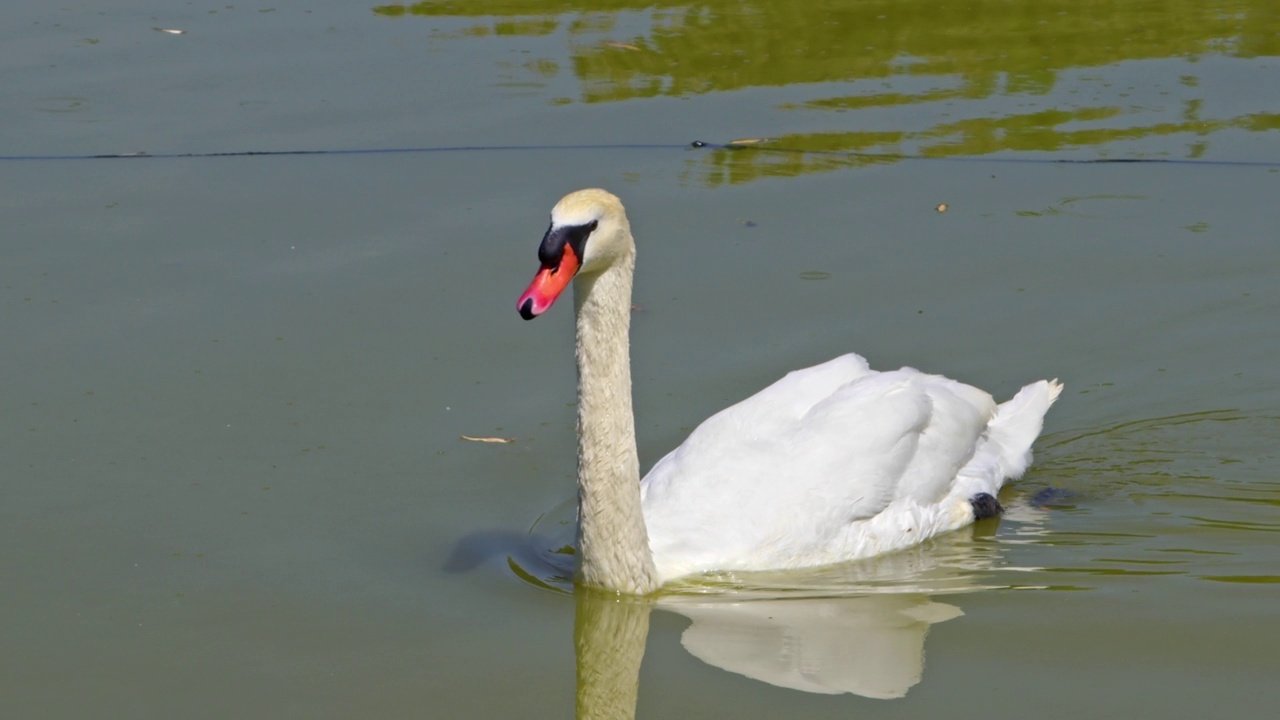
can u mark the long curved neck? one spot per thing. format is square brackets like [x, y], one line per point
[613, 543]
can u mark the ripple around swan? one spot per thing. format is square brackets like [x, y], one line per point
[1194, 486]
[964, 561]
[856, 627]
[1129, 502]
[1107, 508]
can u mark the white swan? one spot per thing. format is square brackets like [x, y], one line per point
[831, 463]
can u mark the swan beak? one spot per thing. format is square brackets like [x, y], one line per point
[547, 285]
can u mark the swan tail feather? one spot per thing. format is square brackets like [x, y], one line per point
[1017, 424]
[1005, 451]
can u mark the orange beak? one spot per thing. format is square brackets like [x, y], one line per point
[547, 285]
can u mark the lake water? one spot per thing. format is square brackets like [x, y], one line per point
[233, 480]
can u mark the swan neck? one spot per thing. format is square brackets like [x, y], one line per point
[613, 543]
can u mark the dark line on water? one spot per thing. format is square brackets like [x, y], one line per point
[989, 159]
[352, 151]
[697, 144]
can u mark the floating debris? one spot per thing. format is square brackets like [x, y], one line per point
[814, 275]
[747, 141]
[495, 440]
[621, 45]
[942, 207]
[171, 31]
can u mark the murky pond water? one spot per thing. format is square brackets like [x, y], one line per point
[233, 477]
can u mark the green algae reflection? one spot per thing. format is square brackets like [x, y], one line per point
[1071, 74]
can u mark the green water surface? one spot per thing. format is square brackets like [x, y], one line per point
[233, 481]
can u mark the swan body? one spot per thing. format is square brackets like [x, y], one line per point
[831, 463]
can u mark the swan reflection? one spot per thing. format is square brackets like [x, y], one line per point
[857, 628]
[871, 646]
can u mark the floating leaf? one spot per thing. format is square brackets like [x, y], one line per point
[497, 440]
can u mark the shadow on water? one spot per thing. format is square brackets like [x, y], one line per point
[475, 549]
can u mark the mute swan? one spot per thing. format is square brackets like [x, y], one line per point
[831, 463]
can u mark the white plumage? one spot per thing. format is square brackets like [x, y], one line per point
[832, 463]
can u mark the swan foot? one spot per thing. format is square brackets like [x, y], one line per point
[985, 506]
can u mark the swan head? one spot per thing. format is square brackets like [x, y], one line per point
[589, 233]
